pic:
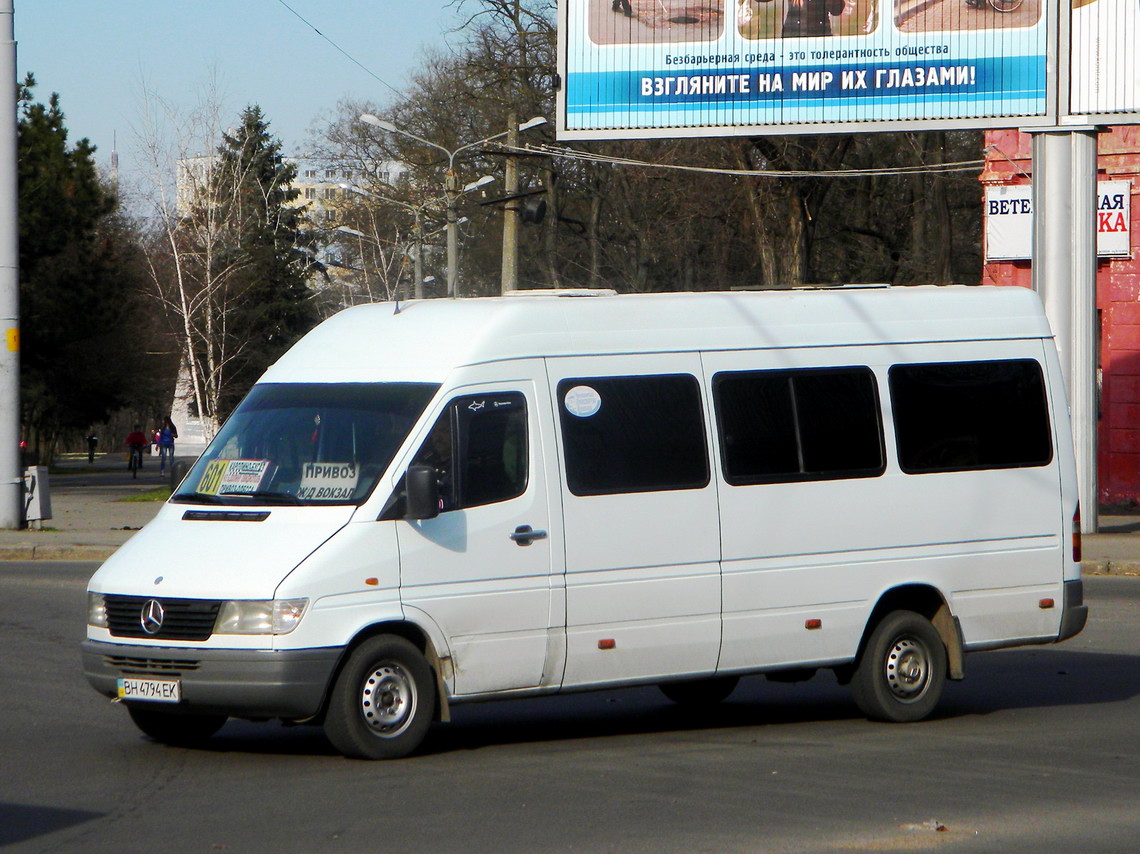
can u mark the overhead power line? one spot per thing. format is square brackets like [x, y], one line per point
[922, 169]
[340, 49]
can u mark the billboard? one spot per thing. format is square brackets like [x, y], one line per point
[655, 68]
[1105, 57]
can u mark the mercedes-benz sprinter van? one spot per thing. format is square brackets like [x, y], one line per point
[429, 503]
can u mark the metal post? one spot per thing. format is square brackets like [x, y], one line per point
[510, 280]
[452, 187]
[1064, 274]
[11, 480]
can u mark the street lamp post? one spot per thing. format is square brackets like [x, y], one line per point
[451, 185]
[417, 211]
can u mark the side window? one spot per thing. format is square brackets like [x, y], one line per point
[781, 426]
[479, 447]
[960, 416]
[633, 434]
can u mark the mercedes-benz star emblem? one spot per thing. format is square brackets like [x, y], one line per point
[151, 617]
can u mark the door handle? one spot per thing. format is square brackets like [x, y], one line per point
[524, 535]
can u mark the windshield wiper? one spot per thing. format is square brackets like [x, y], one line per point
[195, 498]
[265, 495]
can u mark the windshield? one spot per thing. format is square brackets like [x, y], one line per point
[306, 443]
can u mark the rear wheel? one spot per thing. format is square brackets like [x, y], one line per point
[699, 692]
[172, 728]
[383, 700]
[902, 672]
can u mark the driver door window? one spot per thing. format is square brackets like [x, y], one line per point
[479, 448]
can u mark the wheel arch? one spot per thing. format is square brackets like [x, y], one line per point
[419, 638]
[927, 601]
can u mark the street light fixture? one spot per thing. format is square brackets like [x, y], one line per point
[452, 183]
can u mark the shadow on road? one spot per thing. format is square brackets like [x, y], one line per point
[21, 822]
[995, 682]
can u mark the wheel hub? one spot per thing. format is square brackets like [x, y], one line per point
[907, 669]
[388, 700]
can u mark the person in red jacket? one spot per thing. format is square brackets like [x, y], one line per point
[136, 441]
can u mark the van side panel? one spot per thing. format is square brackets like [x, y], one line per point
[827, 549]
[642, 568]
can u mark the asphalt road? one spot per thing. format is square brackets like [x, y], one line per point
[1038, 750]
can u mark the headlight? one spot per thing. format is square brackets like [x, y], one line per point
[96, 610]
[260, 617]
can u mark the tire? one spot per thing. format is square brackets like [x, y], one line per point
[383, 700]
[700, 692]
[173, 728]
[902, 672]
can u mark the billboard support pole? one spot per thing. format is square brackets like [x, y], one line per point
[1064, 275]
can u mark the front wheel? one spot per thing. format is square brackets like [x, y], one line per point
[383, 700]
[902, 672]
[172, 728]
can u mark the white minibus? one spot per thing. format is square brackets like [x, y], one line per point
[435, 502]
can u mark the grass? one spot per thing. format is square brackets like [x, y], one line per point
[160, 493]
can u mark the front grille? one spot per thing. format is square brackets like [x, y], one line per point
[183, 619]
[133, 666]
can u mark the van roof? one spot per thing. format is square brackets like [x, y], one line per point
[423, 340]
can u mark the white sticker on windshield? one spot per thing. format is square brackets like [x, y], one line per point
[583, 401]
[328, 481]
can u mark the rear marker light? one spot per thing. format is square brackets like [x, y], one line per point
[1077, 535]
[607, 643]
[813, 624]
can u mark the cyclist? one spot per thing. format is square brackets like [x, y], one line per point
[136, 441]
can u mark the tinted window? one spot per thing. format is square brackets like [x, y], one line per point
[798, 425]
[479, 447]
[633, 434]
[970, 415]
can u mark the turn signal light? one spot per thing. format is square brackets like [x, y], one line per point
[607, 643]
[813, 624]
[1045, 604]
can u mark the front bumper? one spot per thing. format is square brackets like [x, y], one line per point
[240, 683]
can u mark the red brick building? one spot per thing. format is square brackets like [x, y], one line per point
[1118, 304]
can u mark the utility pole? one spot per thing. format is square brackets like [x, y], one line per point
[511, 211]
[11, 483]
[418, 289]
[451, 186]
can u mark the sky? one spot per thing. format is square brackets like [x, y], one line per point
[101, 55]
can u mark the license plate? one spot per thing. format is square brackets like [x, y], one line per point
[154, 690]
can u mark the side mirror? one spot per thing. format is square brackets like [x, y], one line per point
[422, 493]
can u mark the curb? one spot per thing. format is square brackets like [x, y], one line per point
[1110, 567]
[28, 551]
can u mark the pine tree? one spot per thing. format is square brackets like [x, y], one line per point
[255, 188]
[82, 319]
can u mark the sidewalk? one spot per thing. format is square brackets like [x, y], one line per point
[91, 518]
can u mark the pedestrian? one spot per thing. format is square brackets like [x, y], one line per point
[92, 442]
[166, 436]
